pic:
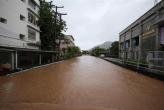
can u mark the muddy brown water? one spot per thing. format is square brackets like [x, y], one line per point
[83, 83]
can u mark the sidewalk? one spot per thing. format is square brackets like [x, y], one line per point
[136, 67]
[114, 60]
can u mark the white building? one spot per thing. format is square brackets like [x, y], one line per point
[68, 41]
[18, 28]
[19, 33]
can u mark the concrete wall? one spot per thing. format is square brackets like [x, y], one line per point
[147, 29]
[136, 31]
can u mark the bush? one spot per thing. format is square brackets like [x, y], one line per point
[72, 52]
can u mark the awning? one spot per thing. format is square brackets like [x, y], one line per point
[13, 49]
[6, 50]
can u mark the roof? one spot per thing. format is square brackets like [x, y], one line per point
[70, 36]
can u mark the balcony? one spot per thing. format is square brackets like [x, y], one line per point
[33, 7]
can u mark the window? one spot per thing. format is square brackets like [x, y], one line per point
[22, 18]
[127, 44]
[31, 18]
[21, 36]
[31, 34]
[135, 41]
[32, 4]
[3, 20]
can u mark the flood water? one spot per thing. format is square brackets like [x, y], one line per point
[83, 83]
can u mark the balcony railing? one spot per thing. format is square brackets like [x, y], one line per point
[15, 42]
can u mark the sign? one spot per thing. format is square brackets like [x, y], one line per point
[149, 32]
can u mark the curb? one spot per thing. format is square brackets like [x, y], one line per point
[33, 68]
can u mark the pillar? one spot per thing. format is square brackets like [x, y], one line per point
[40, 59]
[131, 48]
[157, 42]
[16, 59]
[157, 34]
[12, 61]
[140, 43]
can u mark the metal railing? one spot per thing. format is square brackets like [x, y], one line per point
[155, 60]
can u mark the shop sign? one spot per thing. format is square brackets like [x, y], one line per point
[149, 32]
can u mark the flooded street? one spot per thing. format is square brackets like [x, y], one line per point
[83, 83]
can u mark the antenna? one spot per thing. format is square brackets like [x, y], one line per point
[155, 2]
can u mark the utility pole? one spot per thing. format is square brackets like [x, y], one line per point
[56, 13]
[56, 31]
[60, 35]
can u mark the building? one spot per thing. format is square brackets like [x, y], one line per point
[143, 36]
[18, 27]
[19, 34]
[67, 42]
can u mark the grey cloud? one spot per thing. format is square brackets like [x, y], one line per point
[92, 22]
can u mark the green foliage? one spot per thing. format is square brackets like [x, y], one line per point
[73, 52]
[50, 26]
[114, 50]
[97, 51]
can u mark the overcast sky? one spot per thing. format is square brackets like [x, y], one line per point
[93, 22]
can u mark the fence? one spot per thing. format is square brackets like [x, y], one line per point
[155, 60]
[154, 63]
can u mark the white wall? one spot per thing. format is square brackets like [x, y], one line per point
[9, 33]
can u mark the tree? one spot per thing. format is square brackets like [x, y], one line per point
[97, 51]
[114, 50]
[50, 26]
[73, 52]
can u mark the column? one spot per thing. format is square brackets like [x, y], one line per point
[157, 38]
[140, 46]
[40, 59]
[131, 49]
[16, 59]
[157, 33]
[52, 58]
[12, 61]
